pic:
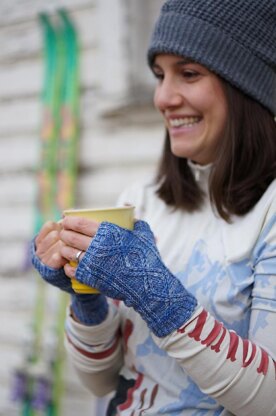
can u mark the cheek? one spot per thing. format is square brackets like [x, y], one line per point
[216, 110]
[220, 105]
[222, 113]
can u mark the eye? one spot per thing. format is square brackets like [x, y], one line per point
[190, 74]
[158, 75]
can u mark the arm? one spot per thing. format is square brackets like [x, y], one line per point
[234, 371]
[91, 321]
[96, 352]
[238, 373]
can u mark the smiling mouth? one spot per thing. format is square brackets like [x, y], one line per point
[184, 121]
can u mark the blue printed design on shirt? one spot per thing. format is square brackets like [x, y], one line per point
[149, 347]
[190, 397]
[264, 257]
[260, 322]
[224, 291]
[263, 248]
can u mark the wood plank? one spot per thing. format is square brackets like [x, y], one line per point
[99, 146]
[24, 113]
[13, 12]
[24, 40]
[32, 72]
[16, 223]
[12, 74]
[24, 157]
[14, 256]
[125, 147]
[18, 189]
[20, 115]
[103, 187]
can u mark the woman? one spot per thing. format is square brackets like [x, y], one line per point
[188, 329]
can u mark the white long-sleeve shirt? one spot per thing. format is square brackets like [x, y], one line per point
[222, 361]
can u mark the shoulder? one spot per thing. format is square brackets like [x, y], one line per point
[242, 235]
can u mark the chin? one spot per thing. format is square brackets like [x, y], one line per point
[181, 153]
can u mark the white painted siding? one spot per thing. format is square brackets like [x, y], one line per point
[121, 137]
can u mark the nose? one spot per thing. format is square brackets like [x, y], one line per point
[167, 95]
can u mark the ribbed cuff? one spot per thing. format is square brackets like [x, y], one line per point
[89, 309]
[55, 277]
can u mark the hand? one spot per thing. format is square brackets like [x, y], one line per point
[126, 265]
[76, 235]
[48, 245]
[47, 258]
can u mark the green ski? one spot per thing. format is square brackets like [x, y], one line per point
[39, 382]
[66, 173]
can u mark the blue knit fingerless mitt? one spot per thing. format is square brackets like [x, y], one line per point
[126, 265]
[55, 277]
[88, 309]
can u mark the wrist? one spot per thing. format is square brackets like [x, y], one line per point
[89, 309]
[55, 277]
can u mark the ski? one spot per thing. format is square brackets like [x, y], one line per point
[67, 163]
[38, 382]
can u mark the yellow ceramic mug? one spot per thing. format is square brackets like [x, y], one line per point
[122, 216]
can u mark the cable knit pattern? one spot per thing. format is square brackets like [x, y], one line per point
[126, 265]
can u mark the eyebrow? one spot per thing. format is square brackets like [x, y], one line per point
[184, 61]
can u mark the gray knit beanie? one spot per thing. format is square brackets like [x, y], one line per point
[234, 38]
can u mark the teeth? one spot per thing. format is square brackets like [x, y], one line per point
[186, 121]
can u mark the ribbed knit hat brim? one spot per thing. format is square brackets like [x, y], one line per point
[206, 43]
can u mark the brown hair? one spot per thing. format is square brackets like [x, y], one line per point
[244, 164]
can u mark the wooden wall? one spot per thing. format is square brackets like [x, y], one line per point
[121, 139]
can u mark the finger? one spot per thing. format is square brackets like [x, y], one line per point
[81, 225]
[53, 257]
[48, 227]
[70, 271]
[54, 260]
[70, 254]
[75, 239]
[43, 245]
[54, 248]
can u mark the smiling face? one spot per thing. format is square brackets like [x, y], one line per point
[193, 104]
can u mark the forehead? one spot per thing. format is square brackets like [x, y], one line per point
[174, 60]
